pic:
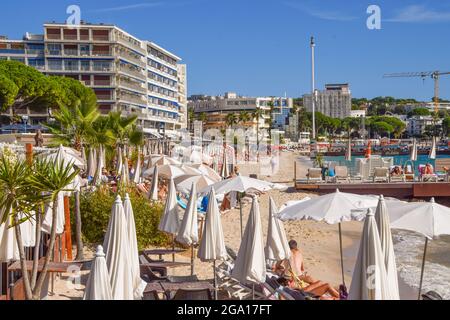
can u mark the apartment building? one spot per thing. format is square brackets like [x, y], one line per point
[335, 101]
[215, 109]
[127, 74]
[417, 125]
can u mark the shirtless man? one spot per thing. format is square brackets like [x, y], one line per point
[295, 267]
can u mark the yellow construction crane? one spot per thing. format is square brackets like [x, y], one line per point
[433, 74]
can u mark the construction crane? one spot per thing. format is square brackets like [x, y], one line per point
[435, 75]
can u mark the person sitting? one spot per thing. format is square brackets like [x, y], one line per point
[294, 269]
[429, 169]
[396, 171]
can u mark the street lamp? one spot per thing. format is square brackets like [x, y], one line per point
[313, 84]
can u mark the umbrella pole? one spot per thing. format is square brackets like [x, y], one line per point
[423, 266]
[215, 280]
[240, 213]
[342, 254]
[253, 291]
[192, 259]
[173, 247]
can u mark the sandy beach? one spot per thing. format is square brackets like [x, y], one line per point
[319, 242]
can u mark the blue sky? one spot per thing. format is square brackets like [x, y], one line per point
[261, 47]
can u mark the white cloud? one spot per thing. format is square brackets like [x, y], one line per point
[420, 13]
[131, 7]
[320, 13]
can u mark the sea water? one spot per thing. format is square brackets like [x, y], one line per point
[409, 248]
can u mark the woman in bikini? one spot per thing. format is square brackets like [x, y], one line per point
[299, 279]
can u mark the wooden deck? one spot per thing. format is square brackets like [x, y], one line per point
[393, 189]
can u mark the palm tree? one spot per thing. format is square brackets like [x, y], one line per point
[73, 125]
[191, 117]
[202, 117]
[231, 119]
[50, 178]
[271, 106]
[22, 186]
[257, 114]
[244, 116]
[121, 126]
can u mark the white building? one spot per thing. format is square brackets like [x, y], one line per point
[129, 75]
[335, 101]
[217, 108]
[417, 125]
[358, 113]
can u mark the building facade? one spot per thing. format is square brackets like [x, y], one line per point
[335, 101]
[417, 125]
[127, 74]
[215, 111]
[358, 113]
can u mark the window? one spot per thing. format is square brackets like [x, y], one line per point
[55, 64]
[71, 65]
[84, 49]
[85, 65]
[54, 49]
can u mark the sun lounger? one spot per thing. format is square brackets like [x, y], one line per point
[396, 177]
[341, 174]
[381, 174]
[234, 288]
[201, 294]
[423, 177]
[314, 175]
[440, 164]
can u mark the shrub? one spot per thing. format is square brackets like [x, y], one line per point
[95, 210]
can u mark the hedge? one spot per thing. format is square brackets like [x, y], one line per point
[95, 210]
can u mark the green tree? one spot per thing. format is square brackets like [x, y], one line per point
[257, 114]
[74, 126]
[419, 112]
[446, 126]
[23, 187]
[244, 116]
[202, 117]
[231, 119]
[381, 127]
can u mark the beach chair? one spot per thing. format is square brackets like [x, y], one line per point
[341, 174]
[408, 171]
[314, 175]
[200, 294]
[152, 295]
[396, 178]
[440, 165]
[423, 177]
[234, 288]
[381, 174]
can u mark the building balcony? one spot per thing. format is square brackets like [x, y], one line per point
[70, 37]
[125, 97]
[12, 51]
[98, 53]
[130, 44]
[132, 86]
[103, 68]
[100, 38]
[104, 97]
[131, 57]
[71, 52]
[103, 83]
[131, 71]
[51, 36]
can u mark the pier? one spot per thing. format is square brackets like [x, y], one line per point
[401, 190]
